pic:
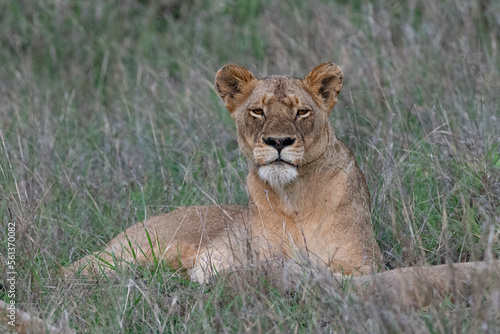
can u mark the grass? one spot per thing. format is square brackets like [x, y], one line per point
[108, 116]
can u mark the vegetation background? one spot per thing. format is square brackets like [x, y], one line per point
[108, 115]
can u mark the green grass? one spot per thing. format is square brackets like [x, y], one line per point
[108, 116]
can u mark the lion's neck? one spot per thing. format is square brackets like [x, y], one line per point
[295, 199]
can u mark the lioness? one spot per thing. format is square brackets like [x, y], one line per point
[307, 194]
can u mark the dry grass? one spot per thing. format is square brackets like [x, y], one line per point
[108, 115]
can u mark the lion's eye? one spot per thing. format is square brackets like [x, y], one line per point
[302, 112]
[257, 111]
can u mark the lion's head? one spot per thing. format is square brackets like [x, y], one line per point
[282, 121]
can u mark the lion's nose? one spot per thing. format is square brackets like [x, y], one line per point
[279, 143]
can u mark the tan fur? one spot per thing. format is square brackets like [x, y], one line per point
[307, 194]
[324, 211]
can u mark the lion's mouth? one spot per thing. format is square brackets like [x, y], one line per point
[280, 161]
[278, 172]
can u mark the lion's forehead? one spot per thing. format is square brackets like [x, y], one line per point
[279, 89]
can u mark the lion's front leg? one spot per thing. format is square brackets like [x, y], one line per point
[233, 252]
[210, 263]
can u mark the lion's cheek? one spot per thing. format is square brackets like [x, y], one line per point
[313, 150]
[316, 144]
[246, 139]
[246, 148]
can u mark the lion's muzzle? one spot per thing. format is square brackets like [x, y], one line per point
[278, 160]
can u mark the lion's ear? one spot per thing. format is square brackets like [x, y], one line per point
[326, 81]
[234, 84]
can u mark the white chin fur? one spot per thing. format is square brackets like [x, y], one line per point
[278, 175]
